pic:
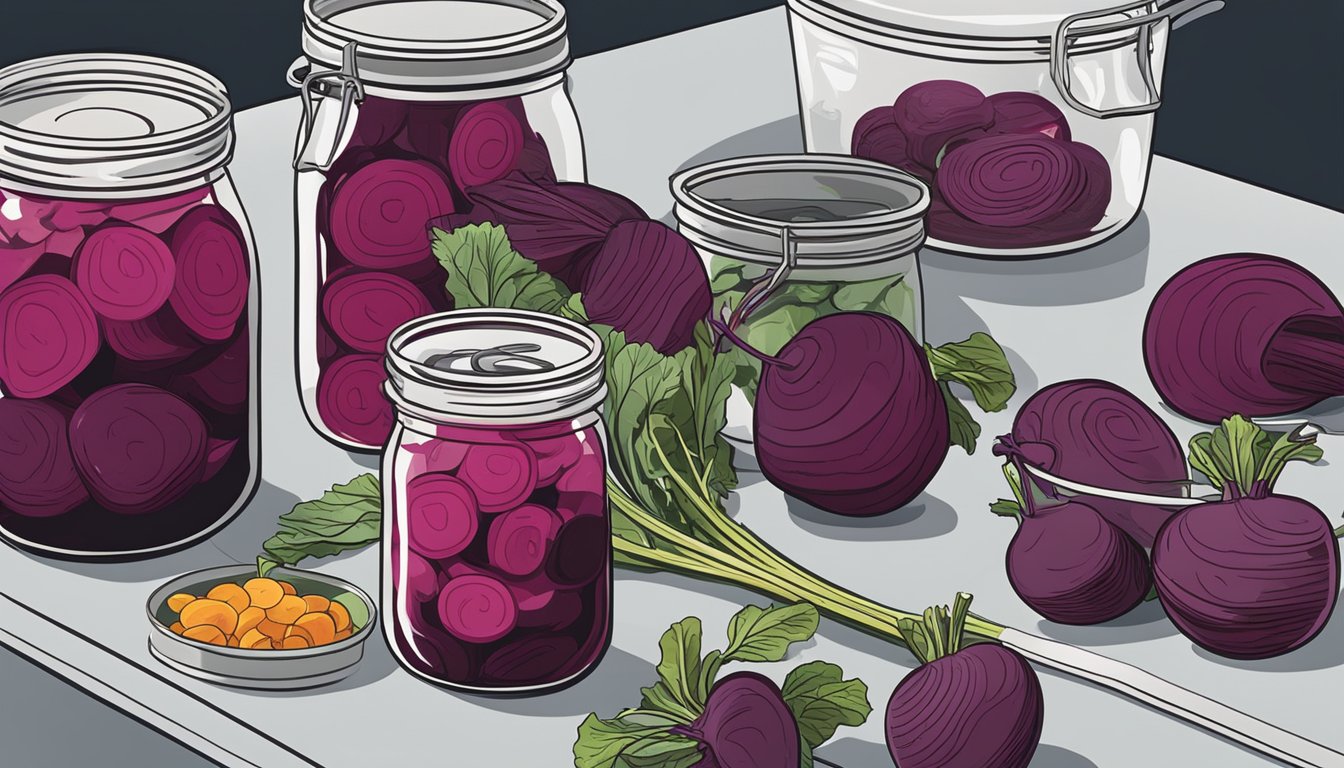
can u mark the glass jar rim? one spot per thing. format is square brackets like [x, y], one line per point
[893, 230]
[183, 135]
[523, 55]
[572, 387]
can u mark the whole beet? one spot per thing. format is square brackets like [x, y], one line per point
[1072, 566]
[746, 724]
[972, 707]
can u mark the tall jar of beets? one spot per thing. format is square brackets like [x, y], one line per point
[496, 535]
[128, 309]
[411, 109]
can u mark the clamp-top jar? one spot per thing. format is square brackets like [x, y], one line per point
[790, 238]
[408, 106]
[1033, 124]
[496, 535]
[128, 309]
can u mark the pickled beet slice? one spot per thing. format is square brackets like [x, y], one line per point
[71, 215]
[530, 594]
[363, 308]
[555, 455]
[588, 474]
[1025, 112]
[441, 515]
[48, 335]
[220, 385]
[435, 456]
[125, 272]
[560, 611]
[217, 454]
[580, 504]
[210, 292]
[15, 261]
[485, 145]
[477, 609]
[159, 338]
[533, 660]
[581, 551]
[138, 447]
[535, 161]
[501, 475]
[64, 243]
[378, 213]
[379, 121]
[420, 579]
[159, 214]
[520, 539]
[433, 651]
[37, 472]
[428, 129]
[350, 399]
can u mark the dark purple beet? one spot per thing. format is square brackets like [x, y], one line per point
[528, 661]
[977, 708]
[1072, 566]
[1017, 180]
[648, 281]
[934, 112]
[1024, 112]
[1096, 433]
[848, 416]
[877, 137]
[1250, 578]
[37, 473]
[746, 724]
[1244, 333]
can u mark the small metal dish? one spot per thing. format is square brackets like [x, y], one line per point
[272, 670]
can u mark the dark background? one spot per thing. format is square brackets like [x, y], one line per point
[1254, 91]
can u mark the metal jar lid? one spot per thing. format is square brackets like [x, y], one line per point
[831, 210]
[495, 366]
[110, 125]
[438, 45]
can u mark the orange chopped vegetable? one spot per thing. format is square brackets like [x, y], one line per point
[319, 625]
[295, 641]
[177, 628]
[296, 631]
[316, 603]
[205, 633]
[339, 615]
[254, 639]
[231, 593]
[288, 588]
[344, 633]
[204, 611]
[272, 630]
[288, 610]
[265, 593]
[179, 601]
[233, 641]
[249, 618]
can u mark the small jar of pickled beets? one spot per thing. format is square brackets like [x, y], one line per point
[496, 537]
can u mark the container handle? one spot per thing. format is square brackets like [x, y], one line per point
[1176, 13]
[298, 71]
[317, 83]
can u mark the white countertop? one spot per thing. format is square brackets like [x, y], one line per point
[648, 110]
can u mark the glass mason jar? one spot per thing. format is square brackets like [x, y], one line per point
[790, 238]
[1033, 125]
[408, 106]
[128, 309]
[496, 536]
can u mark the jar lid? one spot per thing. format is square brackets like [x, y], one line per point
[437, 45]
[496, 366]
[834, 210]
[1028, 22]
[111, 125]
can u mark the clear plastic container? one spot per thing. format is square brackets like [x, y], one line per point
[128, 309]
[1033, 125]
[790, 238]
[408, 105]
[496, 538]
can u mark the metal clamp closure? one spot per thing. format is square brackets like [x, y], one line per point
[315, 87]
[1150, 15]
